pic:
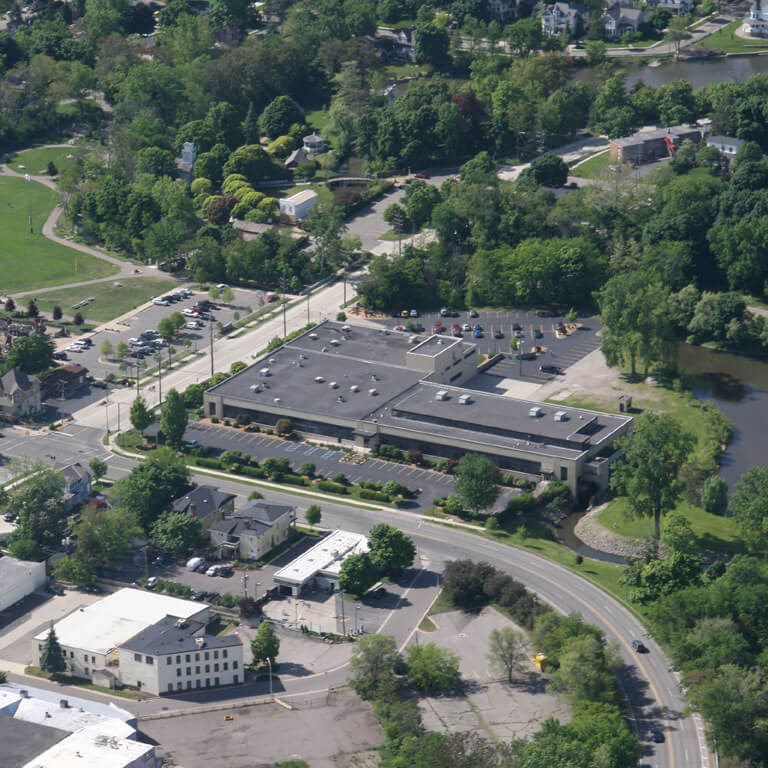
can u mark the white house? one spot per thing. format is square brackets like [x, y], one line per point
[252, 531]
[297, 207]
[320, 566]
[725, 144]
[19, 578]
[756, 21]
[19, 394]
[560, 19]
[175, 654]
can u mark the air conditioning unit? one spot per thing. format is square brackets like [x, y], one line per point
[535, 412]
[441, 395]
[465, 399]
[561, 416]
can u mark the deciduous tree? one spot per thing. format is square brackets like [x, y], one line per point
[373, 662]
[266, 645]
[506, 650]
[476, 482]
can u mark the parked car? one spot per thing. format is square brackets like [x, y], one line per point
[202, 568]
[443, 313]
[657, 736]
[9, 517]
[556, 369]
[547, 313]
[225, 571]
[537, 334]
[189, 312]
[517, 327]
[213, 571]
[477, 327]
[639, 647]
[421, 175]
[194, 325]
[99, 384]
[55, 589]
[477, 333]
[498, 334]
[159, 560]
[194, 563]
[59, 355]
[212, 597]
[222, 286]
[199, 595]
[151, 582]
[160, 301]
[466, 327]
[378, 593]
[473, 313]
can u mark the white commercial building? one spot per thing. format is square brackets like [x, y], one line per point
[320, 566]
[19, 578]
[91, 636]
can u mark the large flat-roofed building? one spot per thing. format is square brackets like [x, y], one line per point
[366, 386]
[320, 566]
[648, 145]
[92, 635]
[19, 578]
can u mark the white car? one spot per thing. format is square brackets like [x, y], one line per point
[151, 582]
[161, 302]
[76, 348]
[189, 312]
[194, 563]
[222, 286]
[194, 324]
[212, 571]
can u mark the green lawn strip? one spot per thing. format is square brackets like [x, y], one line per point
[35, 161]
[110, 301]
[82, 682]
[593, 166]
[715, 533]
[45, 263]
[393, 236]
[316, 118]
[443, 604]
[632, 46]
[726, 40]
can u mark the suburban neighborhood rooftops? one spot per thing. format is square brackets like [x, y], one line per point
[74, 472]
[325, 558]
[202, 501]
[176, 635]
[238, 526]
[110, 622]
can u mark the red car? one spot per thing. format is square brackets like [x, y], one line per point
[421, 175]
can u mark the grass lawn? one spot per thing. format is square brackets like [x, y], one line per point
[109, 300]
[317, 118]
[727, 40]
[35, 161]
[393, 236]
[593, 166]
[398, 71]
[45, 263]
[714, 533]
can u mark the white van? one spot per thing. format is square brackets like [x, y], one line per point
[195, 563]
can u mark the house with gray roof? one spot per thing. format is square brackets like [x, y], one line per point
[206, 503]
[619, 19]
[249, 533]
[561, 19]
[19, 394]
[77, 484]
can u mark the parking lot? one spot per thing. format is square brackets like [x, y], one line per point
[327, 461]
[244, 302]
[556, 350]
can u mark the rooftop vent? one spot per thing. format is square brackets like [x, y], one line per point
[265, 372]
[372, 392]
[354, 388]
[465, 399]
[561, 416]
[333, 385]
[180, 624]
[441, 395]
[319, 379]
[63, 703]
[535, 412]
[199, 642]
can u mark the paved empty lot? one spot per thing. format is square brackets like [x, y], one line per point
[490, 705]
[318, 729]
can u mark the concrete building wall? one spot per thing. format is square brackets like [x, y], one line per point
[18, 579]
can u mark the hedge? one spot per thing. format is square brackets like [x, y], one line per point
[210, 463]
[291, 479]
[364, 493]
[330, 487]
[256, 472]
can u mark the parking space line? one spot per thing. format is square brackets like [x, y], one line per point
[327, 455]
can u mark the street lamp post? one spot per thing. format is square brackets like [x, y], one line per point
[269, 664]
[245, 584]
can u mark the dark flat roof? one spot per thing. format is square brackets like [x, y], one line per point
[21, 742]
[165, 637]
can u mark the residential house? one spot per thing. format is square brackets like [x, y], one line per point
[395, 45]
[726, 144]
[676, 7]
[619, 20]
[250, 230]
[314, 144]
[561, 19]
[64, 381]
[77, 484]
[503, 10]
[252, 531]
[298, 206]
[174, 654]
[299, 155]
[756, 21]
[20, 394]
[206, 503]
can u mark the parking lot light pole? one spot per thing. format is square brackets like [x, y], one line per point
[245, 584]
[210, 335]
[269, 664]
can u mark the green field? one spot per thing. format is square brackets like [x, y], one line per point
[110, 301]
[35, 161]
[45, 263]
[727, 40]
[714, 533]
[593, 166]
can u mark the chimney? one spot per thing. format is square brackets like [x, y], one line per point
[199, 642]
[63, 703]
[24, 693]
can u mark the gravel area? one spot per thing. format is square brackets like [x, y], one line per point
[594, 534]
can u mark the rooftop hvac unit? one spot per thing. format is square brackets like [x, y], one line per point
[319, 379]
[354, 388]
[372, 392]
[265, 372]
[441, 395]
[561, 416]
[333, 385]
[535, 412]
[255, 388]
[465, 399]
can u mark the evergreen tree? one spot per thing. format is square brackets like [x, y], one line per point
[52, 657]
[251, 126]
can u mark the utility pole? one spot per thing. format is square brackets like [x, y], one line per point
[137, 378]
[210, 336]
[118, 416]
[343, 619]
